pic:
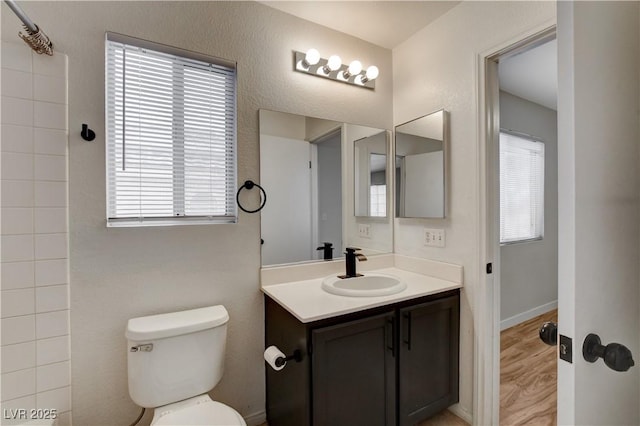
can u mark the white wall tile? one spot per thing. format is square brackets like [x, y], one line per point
[26, 403]
[55, 65]
[49, 89]
[59, 399]
[17, 138]
[17, 193]
[18, 357]
[16, 56]
[52, 324]
[49, 115]
[17, 84]
[16, 248]
[17, 166]
[50, 141]
[18, 329]
[50, 220]
[50, 167]
[52, 350]
[52, 376]
[50, 194]
[17, 275]
[18, 302]
[52, 298]
[17, 111]
[50, 246]
[17, 221]
[18, 384]
[51, 272]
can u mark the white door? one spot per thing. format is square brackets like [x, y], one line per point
[286, 217]
[599, 216]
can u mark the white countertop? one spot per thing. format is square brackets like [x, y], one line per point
[308, 302]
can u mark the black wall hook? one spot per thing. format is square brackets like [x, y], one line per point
[249, 184]
[86, 133]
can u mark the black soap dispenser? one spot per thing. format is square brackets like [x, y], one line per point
[328, 251]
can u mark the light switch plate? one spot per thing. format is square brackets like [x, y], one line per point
[364, 230]
[434, 237]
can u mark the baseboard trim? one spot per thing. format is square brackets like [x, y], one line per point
[527, 315]
[462, 413]
[256, 419]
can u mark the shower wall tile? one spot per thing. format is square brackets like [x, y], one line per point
[17, 111]
[50, 115]
[18, 302]
[17, 193]
[17, 275]
[49, 89]
[17, 138]
[50, 141]
[16, 221]
[18, 357]
[34, 297]
[17, 84]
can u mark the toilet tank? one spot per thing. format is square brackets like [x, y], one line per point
[175, 356]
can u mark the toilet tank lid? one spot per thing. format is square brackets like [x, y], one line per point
[176, 323]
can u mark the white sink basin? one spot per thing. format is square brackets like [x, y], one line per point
[371, 284]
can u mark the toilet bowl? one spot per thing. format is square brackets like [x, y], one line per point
[173, 360]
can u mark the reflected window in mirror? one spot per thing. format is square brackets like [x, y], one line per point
[370, 175]
[420, 167]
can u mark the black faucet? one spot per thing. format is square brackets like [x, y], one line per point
[350, 260]
[328, 250]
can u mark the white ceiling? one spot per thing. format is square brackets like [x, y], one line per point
[533, 75]
[384, 23]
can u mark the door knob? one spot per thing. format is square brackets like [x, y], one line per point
[617, 357]
[549, 333]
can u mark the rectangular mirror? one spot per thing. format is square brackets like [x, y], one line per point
[420, 166]
[307, 170]
[370, 175]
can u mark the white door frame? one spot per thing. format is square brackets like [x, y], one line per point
[486, 316]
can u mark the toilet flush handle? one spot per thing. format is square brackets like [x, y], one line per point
[147, 347]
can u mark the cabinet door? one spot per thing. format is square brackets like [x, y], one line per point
[428, 364]
[354, 373]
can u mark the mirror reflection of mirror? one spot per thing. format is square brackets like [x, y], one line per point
[306, 169]
[370, 176]
[420, 167]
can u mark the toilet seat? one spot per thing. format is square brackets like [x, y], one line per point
[199, 410]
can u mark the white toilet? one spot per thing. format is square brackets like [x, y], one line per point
[174, 359]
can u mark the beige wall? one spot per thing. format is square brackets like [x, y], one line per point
[434, 69]
[117, 274]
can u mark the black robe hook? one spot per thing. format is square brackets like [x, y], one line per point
[86, 133]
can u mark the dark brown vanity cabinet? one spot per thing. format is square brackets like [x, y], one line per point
[394, 365]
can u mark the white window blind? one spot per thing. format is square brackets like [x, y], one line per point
[171, 135]
[378, 200]
[521, 189]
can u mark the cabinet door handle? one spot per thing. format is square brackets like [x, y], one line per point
[407, 338]
[390, 332]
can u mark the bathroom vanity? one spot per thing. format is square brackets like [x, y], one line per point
[389, 360]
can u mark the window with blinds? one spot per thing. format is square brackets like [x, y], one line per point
[521, 189]
[171, 135]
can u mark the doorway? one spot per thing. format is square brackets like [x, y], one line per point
[520, 169]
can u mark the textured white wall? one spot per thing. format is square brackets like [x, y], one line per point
[436, 68]
[117, 274]
[529, 271]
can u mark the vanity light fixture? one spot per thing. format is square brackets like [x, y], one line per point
[312, 63]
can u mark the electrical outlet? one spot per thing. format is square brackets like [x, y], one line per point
[364, 231]
[434, 237]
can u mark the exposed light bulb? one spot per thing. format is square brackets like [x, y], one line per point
[372, 72]
[355, 67]
[334, 62]
[312, 57]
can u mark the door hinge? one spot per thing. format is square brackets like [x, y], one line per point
[489, 268]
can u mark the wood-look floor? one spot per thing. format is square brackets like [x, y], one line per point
[528, 375]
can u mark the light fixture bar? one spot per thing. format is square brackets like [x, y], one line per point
[341, 74]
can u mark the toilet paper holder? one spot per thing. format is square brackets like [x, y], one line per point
[297, 356]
